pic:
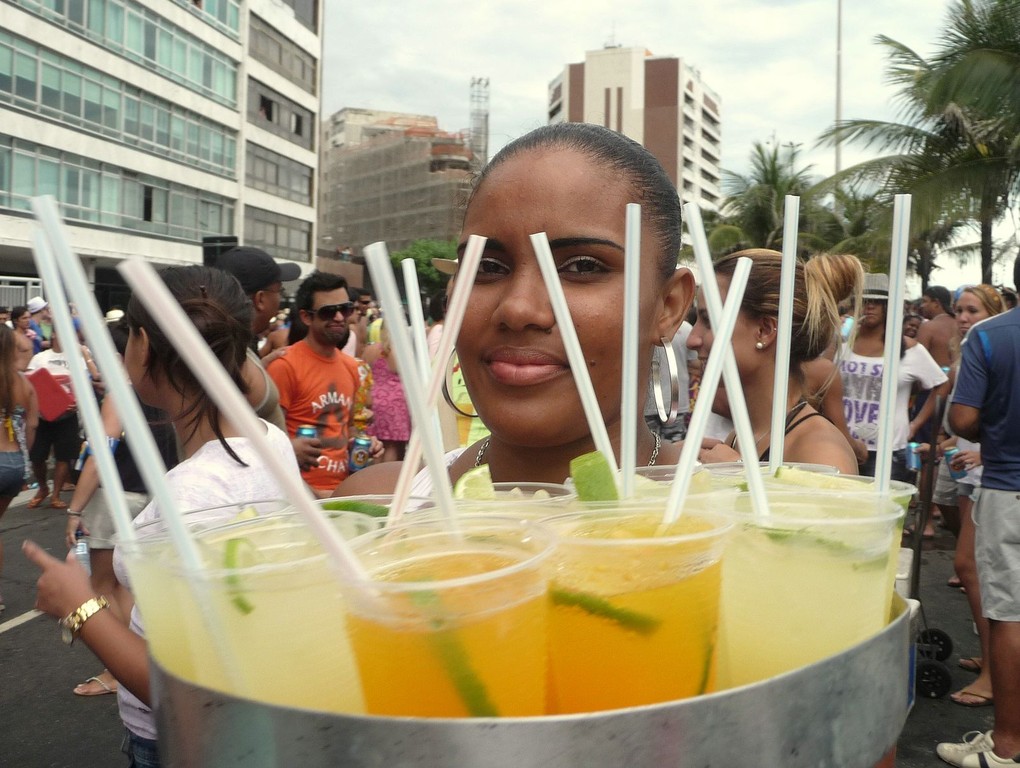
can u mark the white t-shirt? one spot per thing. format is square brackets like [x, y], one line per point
[208, 479]
[862, 389]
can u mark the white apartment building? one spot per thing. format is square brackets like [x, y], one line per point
[660, 102]
[157, 123]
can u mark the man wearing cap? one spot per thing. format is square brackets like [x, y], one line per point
[940, 329]
[986, 407]
[861, 370]
[262, 278]
[39, 309]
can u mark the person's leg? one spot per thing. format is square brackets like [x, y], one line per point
[39, 454]
[5, 501]
[61, 472]
[966, 568]
[66, 443]
[1005, 653]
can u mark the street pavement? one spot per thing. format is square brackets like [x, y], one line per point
[44, 725]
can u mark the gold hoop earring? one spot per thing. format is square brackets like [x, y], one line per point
[450, 365]
[666, 417]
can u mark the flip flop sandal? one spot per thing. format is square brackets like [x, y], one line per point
[36, 501]
[83, 690]
[58, 504]
[970, 663]
[979, 700]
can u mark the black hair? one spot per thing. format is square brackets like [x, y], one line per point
[317, 282]
[650, 184]
[221, 311]
[941, 295]
[437, 306]
[18, 311]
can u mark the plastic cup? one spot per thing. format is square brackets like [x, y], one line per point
[452, 624]
[812, 580]
[276, 607]
[634, 605]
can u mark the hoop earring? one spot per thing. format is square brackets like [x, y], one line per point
[666, 418]
[446, 390]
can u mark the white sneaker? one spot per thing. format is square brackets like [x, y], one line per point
[974, 742]
[975, 751]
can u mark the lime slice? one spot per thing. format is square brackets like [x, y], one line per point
[247, 513]
[801, 477]
[239, 553]
[593, 478]
[475, 484]
[354, 505]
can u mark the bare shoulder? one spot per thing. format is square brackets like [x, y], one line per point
[378, 478]
[819, 441]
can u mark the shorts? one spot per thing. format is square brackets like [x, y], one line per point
[12, 473]
[98, 517]
[946, 488]
[898, 467]
[997, 553]
[968, 490]
[60, 436]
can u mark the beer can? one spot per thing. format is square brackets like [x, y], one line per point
[360, 453]
[307, 430]
[913, 457]
[956, 474]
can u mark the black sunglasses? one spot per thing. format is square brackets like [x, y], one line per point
[328, 312]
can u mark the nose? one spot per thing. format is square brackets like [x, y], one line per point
[524, 301]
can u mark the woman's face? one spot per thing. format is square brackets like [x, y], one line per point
[746, 333]
[911, 326]
[969, 310]
[510, 348]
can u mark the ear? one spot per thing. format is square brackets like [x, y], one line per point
[257, 301]
[677, 297]
[143, 339]
[768, 328]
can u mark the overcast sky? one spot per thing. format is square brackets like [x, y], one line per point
[772, 62]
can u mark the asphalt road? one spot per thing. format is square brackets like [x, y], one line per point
[43, 725]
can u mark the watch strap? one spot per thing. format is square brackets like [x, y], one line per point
[76, 619]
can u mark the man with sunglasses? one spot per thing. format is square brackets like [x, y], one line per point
[317, 382]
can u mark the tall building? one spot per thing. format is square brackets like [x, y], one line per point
[156, 123]
[390, 176]
[660, 102]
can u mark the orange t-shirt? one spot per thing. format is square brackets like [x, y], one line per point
[319, 391]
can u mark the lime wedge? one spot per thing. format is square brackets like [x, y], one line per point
[239, 553]
[801, 477]
[354, 505]
[475, 484]
[593, 478]
[248, 513]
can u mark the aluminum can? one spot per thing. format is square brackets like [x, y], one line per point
[360, 455]
[307, 430]
[913, 457]
[956, 474]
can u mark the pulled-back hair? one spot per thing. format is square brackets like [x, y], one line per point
[649, 182]
[820, 284]
[989, 297]
[215, 302]
[317, 282]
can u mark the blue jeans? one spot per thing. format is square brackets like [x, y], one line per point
[142, 753]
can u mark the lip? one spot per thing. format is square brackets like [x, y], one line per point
[523, 367]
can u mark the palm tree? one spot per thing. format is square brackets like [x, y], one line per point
[956, 152]
[752, 214]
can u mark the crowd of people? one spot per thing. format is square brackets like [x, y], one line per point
[324, 374]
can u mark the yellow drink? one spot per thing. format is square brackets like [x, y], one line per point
[270, 627]
[811, 582]
[452, 625]
[634, 608]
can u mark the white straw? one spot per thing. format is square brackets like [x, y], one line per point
[629, 386]
[456, 307]
[414, 312]
[378, 260]
[893, 341]
[722, 327]
[141, 443]
[734, 388]
[193, 349]
[575, 356]
[82, 382]
[784, 333]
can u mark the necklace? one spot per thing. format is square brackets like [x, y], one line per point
[651, 461]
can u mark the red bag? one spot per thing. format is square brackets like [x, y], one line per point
[54, 400]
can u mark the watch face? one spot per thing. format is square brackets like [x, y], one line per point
[66, 634]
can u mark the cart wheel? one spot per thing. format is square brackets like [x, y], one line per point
[934, 644]
[933, 680]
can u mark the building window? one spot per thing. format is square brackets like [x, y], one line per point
[271, 172]
[279, 115]
[282, 236]
[281, 55]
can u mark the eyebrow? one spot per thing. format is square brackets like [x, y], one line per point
[560, 242]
